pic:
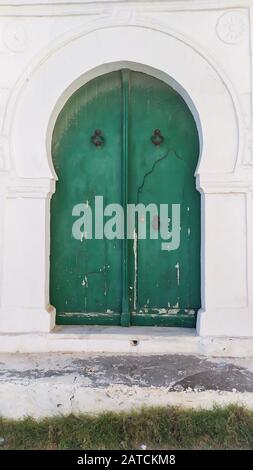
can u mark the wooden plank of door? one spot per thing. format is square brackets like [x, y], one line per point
[125, 315]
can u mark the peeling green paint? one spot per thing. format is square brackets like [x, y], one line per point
[101, 281]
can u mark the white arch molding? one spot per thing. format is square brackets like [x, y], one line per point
[227, 300]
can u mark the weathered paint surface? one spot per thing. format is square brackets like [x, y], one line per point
[42, 385]
[167, 283]
[117, 281]
[85, 276]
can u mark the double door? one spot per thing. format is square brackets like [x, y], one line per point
[125, 141]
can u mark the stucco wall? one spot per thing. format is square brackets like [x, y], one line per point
[204, 49]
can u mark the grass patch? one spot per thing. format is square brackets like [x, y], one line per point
[157, 428]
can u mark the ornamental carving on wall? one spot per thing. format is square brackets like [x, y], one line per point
[15, 36]
[232, 26]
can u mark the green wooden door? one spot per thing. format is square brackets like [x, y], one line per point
[167, 282]
[86, 273]
[120, 281]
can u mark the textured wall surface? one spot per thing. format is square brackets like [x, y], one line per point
[201, 47]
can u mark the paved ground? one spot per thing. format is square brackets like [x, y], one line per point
[176, 372]
[46, 384]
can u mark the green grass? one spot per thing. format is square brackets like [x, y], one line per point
[157, 428]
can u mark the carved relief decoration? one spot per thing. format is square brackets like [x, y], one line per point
[15, 36]
[232, 27]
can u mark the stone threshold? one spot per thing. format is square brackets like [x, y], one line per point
[120, 340]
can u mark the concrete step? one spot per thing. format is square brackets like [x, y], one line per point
[132, 340]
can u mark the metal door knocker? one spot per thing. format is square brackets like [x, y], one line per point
[97, 138]
[157, 137]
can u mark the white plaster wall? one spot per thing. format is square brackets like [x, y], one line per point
[204, 49]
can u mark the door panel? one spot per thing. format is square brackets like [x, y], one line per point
[168, 282]
[100, 281]
[86, 275]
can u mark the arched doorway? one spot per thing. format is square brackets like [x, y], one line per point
[131, 139]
